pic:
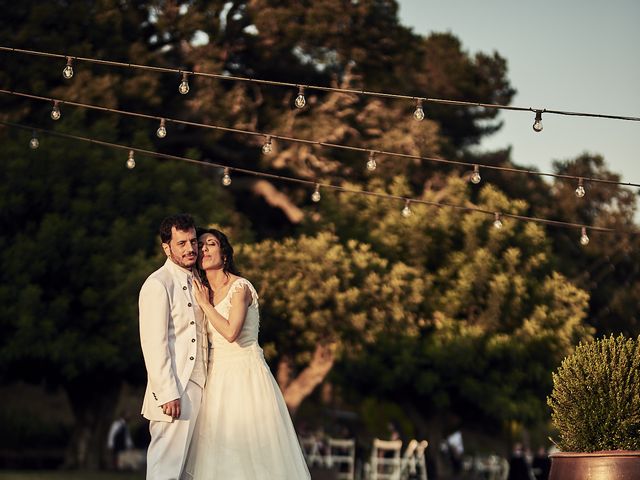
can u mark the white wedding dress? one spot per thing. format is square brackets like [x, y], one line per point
[244, 431]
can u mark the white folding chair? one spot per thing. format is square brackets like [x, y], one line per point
[385, 459]
[413, 461]
[407, 463]
[311, 450]
[420, 459]
[342, 452]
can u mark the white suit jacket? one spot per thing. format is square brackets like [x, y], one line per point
[168, 330]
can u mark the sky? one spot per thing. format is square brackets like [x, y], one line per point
[570, 55]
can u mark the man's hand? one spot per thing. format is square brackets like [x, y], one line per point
[172, 408]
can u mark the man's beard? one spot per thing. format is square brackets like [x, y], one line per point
[180, 261]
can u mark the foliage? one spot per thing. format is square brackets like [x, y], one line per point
[596, 396]
[446, 311]
[609, 266]
[496, 317]
[317, 290]
[79, 240]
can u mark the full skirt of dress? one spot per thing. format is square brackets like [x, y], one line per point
[244, 431]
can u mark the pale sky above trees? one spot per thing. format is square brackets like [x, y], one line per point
[570, 55]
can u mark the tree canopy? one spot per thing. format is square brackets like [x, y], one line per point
[439, 311]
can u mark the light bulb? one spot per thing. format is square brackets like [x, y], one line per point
[497, 223]
[67, 72]
[584, 239]
[226, 178]
[406, 211]
[131, 163]
[267, 148]
[475, 176]
[162, 130]
[55, 111]
[371, 163]
[34, 142]
[184, 84]
[537, 124]
[315, 196]
[580, 191]
[300, 100]
[418, 114]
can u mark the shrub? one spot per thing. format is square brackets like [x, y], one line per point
[595, 400]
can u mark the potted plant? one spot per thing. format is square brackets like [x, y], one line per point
[595, 406]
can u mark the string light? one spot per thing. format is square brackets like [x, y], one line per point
[338, 188]
[584, 239]
[315, 196]
[418, 114]
[406, 211]
[34, 142]
[327, 144]
[67, 72]
[267, 148]
[226, 177]
[475, 176]
[580, 191]
[162, 129]
[300, 100]
[55, 111]
[497, 223]
[441, 101]
[371, 163]
[537, 123]
[183, 88]
[131, 162]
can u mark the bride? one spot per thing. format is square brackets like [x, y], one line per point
[244, 431]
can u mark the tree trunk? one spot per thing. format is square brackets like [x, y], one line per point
[93, 403]
[297, 389]
[435, 436]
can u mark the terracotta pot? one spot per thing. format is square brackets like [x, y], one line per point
[607, 465]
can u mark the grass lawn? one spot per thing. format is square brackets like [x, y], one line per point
[68, 475]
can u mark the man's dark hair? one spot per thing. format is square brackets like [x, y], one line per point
[182, 221]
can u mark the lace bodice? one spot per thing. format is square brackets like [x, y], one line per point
[249, 333]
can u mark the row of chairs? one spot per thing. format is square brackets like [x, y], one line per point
[387, 462]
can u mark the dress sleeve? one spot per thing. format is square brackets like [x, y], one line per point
[238, 284]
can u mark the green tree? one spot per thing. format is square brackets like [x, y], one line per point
[321, 299]
[79, 237]
[496, 317]
[608, 266]
[393, 288]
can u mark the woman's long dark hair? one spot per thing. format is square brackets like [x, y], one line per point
[226, 250]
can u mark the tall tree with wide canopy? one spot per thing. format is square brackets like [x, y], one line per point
[496, 316]
[79, 229]
[79, 237]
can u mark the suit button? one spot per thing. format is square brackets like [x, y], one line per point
[184, 288]
[191, 358]
[193, 340]
[192, 322]
[189, 304]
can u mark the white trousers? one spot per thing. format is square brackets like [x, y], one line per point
[170, 441]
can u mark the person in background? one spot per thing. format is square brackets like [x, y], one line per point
[118, 440]
[519, 468]
[541, 464]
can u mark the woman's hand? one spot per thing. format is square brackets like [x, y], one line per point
[200, 293]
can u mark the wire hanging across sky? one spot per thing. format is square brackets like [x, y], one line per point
[316, 196]
[300, 102]
[300, 99]
[373, 153]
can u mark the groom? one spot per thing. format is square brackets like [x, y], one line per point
[174, 345]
